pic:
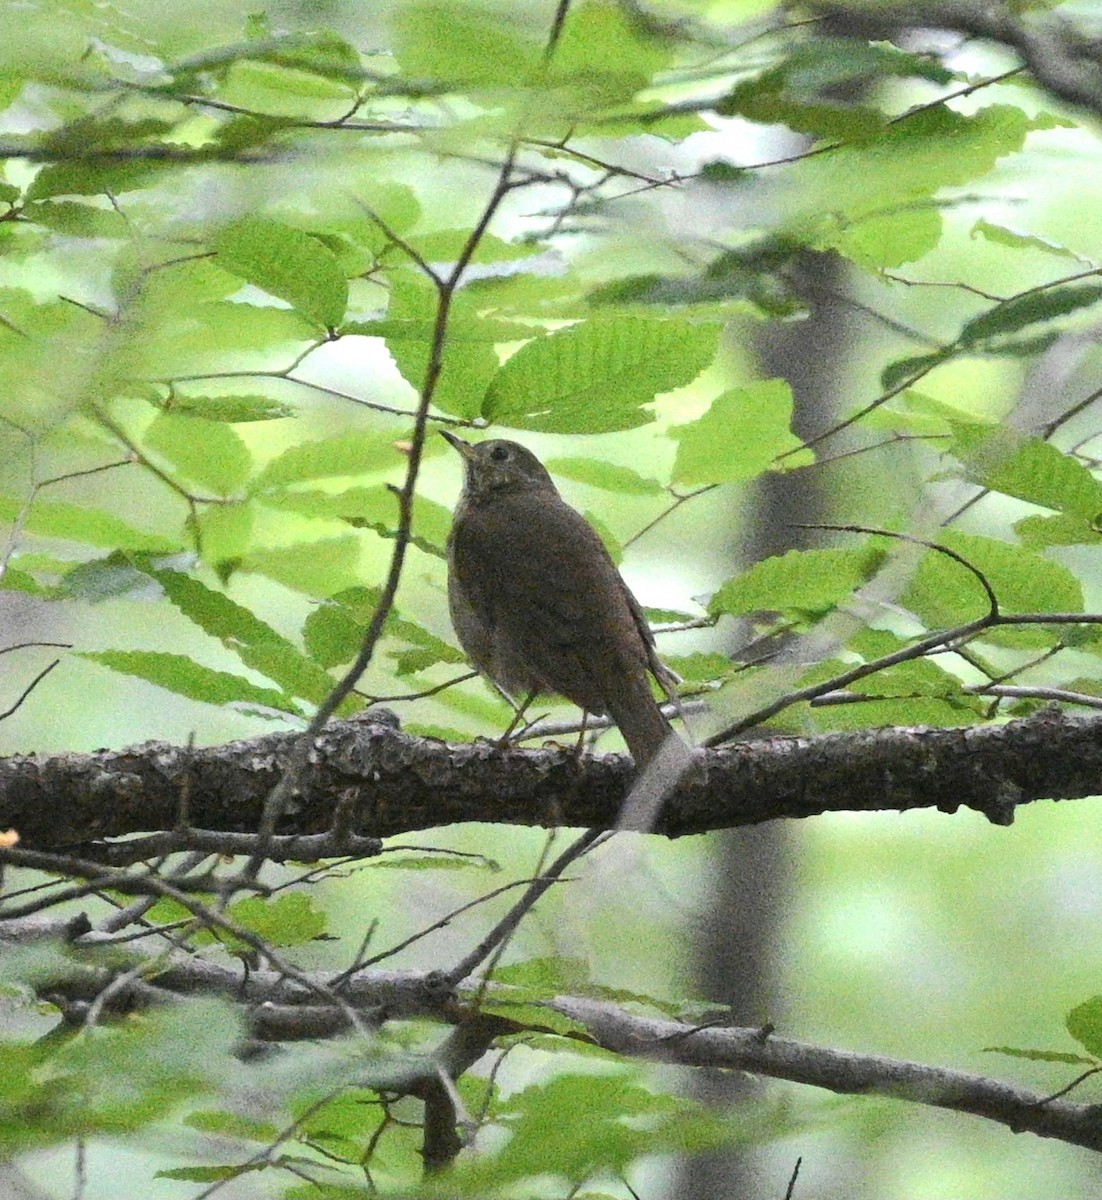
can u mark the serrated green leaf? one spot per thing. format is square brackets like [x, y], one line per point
[469, 360]
[1006, 461]
[800, 581]
[358, 453]
[334, 632]
[15, 580]
[1084, 1023]
[609, 476]
[234, 410]
[668, 616]
[280, 91]
[92, 526]
[920, 677]
[287, 263]
[84, 177]
[433, 862]
[1067, 529]
[318, 568]
[211, 1174]
[1021, 311]
[944, 593]
[187, 678]
[534, 1015]
[254, 641]
[741, 435]
[596, 376]
[766, 101]
[370, 508]
[207, 452]
[934, 148]
[887, 239]
[103, 579]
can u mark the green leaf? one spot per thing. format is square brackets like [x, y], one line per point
[1084, 1023]
[77, 220]
[287, 263]
[886, 239]
[1053, 1056]
[469, 361]
[225, 534]
[233, 410]
[184, 341]
[286, 920]
[256, 643]
[232, 1125]
[334, 632]
[944, 593]
[699, 667]
[609, 476]
[280, 91]
[84, 177]
[801, 581]
[1002, 236]
[595, 376]
[445, 246]
[767, 101]
[1006, 461]
[357, 453]
[462, 44]
[920, 677]
[912, 368]
[1021, 311]
[206, 452]
[533, 1014]
[187, 678]
[371, 508]
[741, 435]
[753, 273]
[130, 1075]
[933, 149]
[317, 568]
[211, 1174]
[1067, 529]
[92, 526]
[606, 55]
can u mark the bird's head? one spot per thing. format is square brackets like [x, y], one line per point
[499, 466]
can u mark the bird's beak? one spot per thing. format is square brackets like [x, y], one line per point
[457, 443]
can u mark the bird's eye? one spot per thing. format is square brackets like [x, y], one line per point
[499, 453]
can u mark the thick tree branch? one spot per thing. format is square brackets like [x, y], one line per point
[384, 782]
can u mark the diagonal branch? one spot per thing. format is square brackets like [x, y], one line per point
[280, 1009]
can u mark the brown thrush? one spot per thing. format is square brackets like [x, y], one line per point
[537, 602]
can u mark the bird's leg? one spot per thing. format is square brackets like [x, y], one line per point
[518, 717]
[581, 738]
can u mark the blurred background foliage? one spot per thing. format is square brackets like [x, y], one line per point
[216, 227]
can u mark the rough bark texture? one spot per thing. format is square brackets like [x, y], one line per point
[389, 782]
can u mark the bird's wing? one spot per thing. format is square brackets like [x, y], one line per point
[546, 583]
